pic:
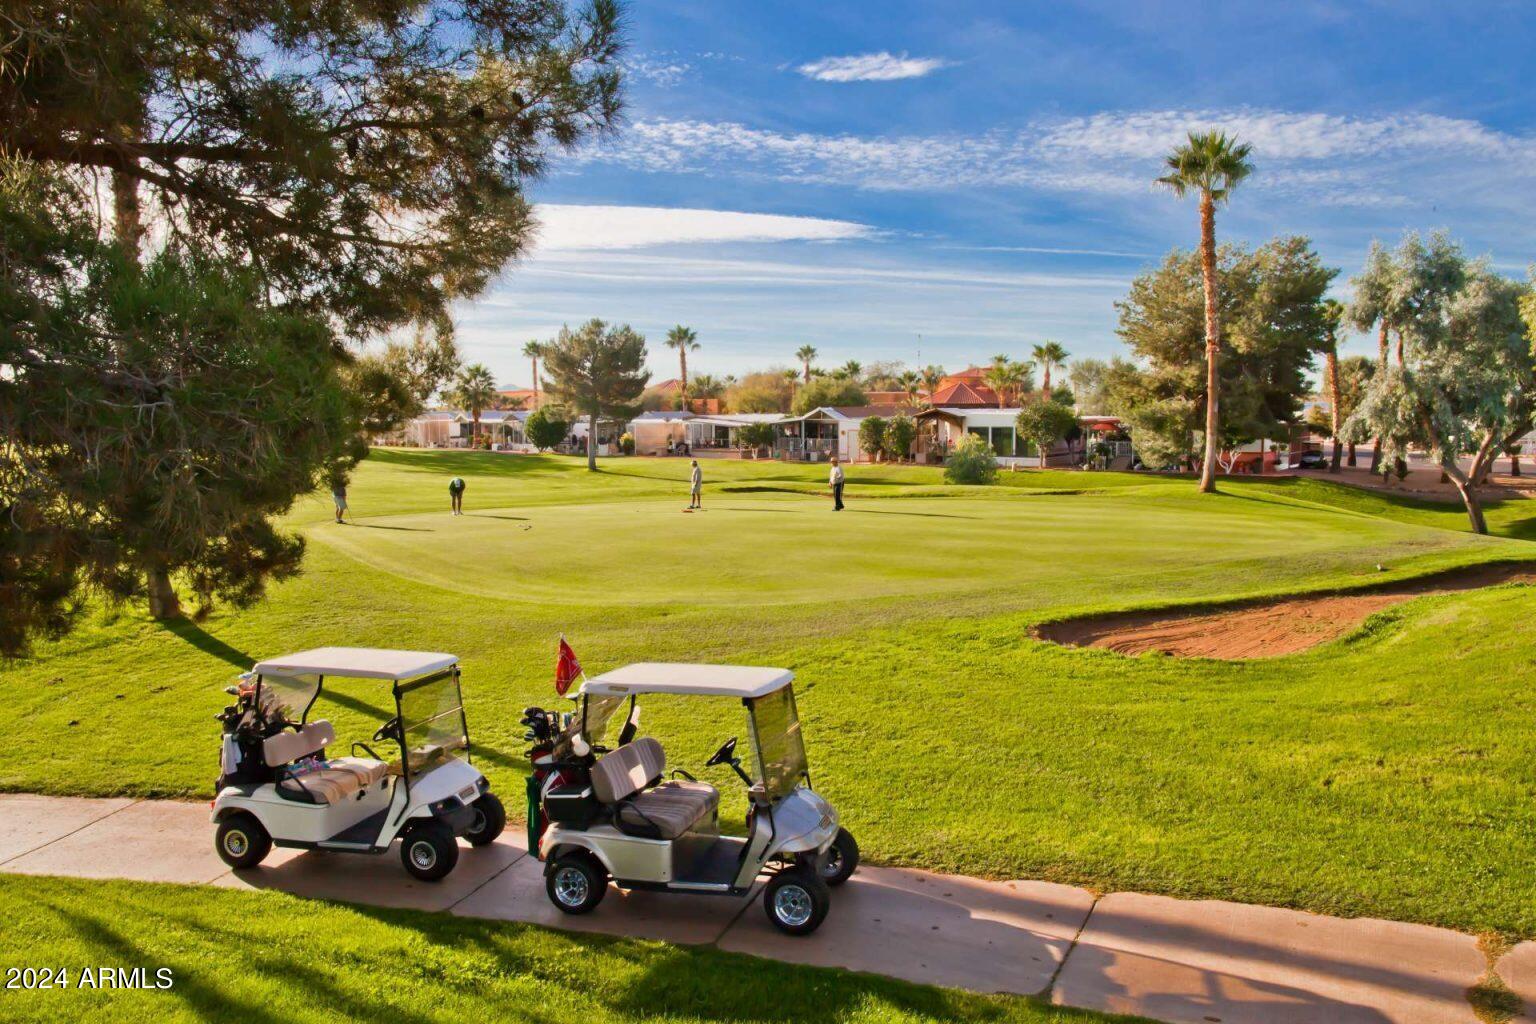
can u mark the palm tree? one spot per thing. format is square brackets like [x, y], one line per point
[806, 355]
[1333, 315]
[706, 386]
[1049, 354]
[933, 375]
[1212, 164]
[533, 350]
[912, 384]
[791, 379]
[685, 340]
[852, 369]
[475, 391]
[1008, 378]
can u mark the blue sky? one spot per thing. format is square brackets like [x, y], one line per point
[940, 182]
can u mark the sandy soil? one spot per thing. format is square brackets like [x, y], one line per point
[1265, 629]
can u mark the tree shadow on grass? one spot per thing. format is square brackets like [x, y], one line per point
[924, 515]
[204, 641]
[379, 526]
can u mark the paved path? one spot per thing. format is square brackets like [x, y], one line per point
[1201, 962]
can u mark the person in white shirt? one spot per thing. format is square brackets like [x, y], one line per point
[696, 487]
[835, 478]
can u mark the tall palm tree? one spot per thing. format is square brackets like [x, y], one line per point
[685, 340]
[1333, 315]
[533, 350]
[806, 355]
[791, 379]
[1212, 164]
[475, 391]
[1049, 354]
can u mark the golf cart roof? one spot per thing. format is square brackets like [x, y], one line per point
[703, 680]
[357, 663]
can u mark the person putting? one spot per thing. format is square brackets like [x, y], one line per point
[696, 488]
[456, 494]
[835, 478]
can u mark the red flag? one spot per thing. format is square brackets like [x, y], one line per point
[567, 668]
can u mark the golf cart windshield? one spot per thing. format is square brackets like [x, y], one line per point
[431, 720]
[781, 763]
[287, 698]
[590, 722]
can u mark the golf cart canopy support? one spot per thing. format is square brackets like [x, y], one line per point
[357, 663]
[741, 681]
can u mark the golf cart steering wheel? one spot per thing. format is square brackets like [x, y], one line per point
[387, 731]
[724, 755]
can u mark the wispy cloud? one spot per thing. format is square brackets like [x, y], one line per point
[871, 67]
[1324, 159]
[566, 228]
[662, 69]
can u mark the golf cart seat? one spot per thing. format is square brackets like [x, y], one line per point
[621, 779]
[340, 778]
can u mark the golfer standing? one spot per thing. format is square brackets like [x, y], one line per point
[456, 494]
[835, 478]
[339, 496]
[696, 486]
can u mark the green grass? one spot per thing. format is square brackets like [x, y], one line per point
[239, 956]
[1386, 774]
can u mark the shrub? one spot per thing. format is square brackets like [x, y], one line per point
[899, 435]
[872, 436]
[756, 435]
[627, 443]
[546, 427]
[972, 462]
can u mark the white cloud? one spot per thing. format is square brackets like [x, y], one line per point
[871, 67]
[570, 227]
[662, 69]
[1324, 159]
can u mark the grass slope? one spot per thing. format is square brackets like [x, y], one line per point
[238, 956]
[1387, 774]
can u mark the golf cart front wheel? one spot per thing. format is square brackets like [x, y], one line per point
[490, 819]
[242, 842]
[429, 851]
[796, 901]
[841, 859]
[576, 883]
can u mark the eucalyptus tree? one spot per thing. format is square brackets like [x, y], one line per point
[1466, 380]
[597, 371]
[684, 340]
[1048, 354]
[1212, 165]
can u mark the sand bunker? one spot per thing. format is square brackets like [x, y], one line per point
[1266, 629]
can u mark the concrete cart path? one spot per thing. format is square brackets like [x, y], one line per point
[1201, 962]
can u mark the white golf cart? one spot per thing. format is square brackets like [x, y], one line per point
[613, 815]
[278, 785]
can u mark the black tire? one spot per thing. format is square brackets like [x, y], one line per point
[490, 819]
[576, 883]
[429, 851]
[796, 901]
[242, 841]
[842, 859]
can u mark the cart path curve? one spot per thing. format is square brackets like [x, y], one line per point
[1166, 959]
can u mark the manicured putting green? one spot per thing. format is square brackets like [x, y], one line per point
[771, 549]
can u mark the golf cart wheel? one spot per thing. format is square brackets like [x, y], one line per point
[241, 840]
[429, 850]
[576, 883]
[490, 819]
[841, 859]
[796, 901]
